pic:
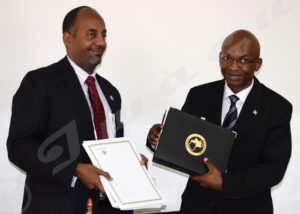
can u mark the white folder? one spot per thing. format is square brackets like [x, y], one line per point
[131, 187]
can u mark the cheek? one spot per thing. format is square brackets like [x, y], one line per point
[223, 69]
[250, 71]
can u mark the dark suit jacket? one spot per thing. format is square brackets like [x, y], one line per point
[51, 102]
[259, 157]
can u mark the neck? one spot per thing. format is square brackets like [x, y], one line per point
[88, 70]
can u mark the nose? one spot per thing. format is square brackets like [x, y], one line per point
[234, 65]
[100, 41]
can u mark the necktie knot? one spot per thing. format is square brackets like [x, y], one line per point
[233, 99]
[90, 81]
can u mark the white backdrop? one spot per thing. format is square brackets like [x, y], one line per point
[157, 50]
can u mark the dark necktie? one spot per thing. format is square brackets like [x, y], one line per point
[98, 110]
[231, 116]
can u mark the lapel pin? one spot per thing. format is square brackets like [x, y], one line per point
[235, 133]
[111, 98]
[202, 118]
[254, 112]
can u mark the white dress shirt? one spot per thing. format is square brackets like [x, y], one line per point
[109, 116]
[242, 95]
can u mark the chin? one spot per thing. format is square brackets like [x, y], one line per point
[95, 61]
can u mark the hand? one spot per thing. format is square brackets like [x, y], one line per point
[154, 133]
[89, 175]
[212, 179]
[144, 161]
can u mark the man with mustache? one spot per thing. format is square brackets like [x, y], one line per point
[262, 148]
[60, 177]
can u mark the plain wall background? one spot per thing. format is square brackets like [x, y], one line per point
[157, 50]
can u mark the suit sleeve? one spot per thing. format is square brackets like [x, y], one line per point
[272, 166]
[29, 120]
[188, 103]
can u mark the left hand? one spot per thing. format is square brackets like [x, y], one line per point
[212, 179]
[144, 161]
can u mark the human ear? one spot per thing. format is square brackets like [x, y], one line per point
[67, 38]
[258, 64]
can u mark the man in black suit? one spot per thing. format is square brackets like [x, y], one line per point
[262, 148]
[54, 111]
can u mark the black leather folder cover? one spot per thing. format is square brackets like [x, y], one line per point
[186, 140]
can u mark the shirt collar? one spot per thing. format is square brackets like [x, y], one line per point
[242, 95]
[81, 74]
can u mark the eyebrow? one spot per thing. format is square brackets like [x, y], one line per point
[95, 30]
[243, 56]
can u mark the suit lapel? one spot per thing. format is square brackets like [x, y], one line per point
[250, 110]
[76, 94]
[214, 106]
[107, 93]
[113, 102]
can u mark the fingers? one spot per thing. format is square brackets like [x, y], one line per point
[99, 184]
[89, 175]
[100, 187]
[104, 174]
[154, 133]
[157, 128]
[144, 161]
[200, 178]
[212, 179]
[153, 139]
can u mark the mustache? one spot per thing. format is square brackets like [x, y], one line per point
[96, 48]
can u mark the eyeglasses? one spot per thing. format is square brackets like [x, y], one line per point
[228, 60]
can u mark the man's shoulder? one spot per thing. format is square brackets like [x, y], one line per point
[208, 87]
[46, 71]
[272, 97]
[106, 83]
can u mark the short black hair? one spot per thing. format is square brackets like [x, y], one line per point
[70, 18]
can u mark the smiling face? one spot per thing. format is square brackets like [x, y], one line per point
[239, 59]
[85, 42]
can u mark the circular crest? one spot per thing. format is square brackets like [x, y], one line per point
[195, 144]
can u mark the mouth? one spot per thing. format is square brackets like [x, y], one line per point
[234, 77]
[96, 53]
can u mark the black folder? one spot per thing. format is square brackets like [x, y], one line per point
[186, 140]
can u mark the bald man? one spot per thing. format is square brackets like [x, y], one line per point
[262, 148]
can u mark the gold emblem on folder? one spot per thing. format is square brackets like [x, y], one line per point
[195, 144]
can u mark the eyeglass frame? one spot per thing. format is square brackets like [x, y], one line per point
[239, 61]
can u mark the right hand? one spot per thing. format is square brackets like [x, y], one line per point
[154, 133]
[89, 175]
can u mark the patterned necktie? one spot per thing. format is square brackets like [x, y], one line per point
[231, 116]
[98, 110]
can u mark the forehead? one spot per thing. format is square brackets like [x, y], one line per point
[89, 19]
[240, 47]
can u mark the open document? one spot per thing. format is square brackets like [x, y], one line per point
[131, 187]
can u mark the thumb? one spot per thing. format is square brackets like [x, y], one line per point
[208, 164]
[104, 173]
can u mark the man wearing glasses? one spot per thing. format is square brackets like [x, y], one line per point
[262, 148]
